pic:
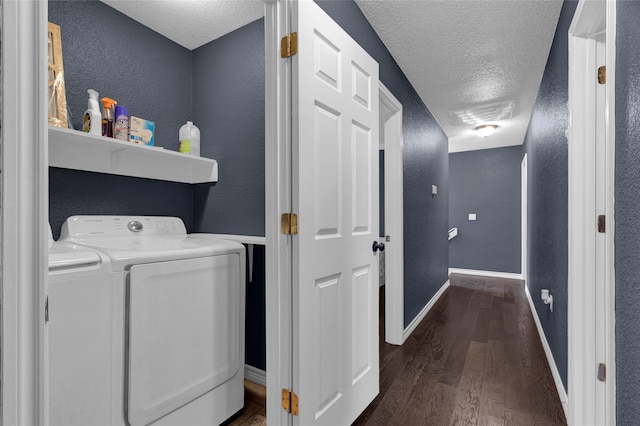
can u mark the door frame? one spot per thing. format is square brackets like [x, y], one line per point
[585, 398]
[24, 211]
[394, 220]
[278, 199]
[524, 188]
[278, 195]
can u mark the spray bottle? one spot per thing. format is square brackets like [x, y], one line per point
[121, 123]
[91, 122]
[107, 116]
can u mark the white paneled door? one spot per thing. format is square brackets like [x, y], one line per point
[335, 194]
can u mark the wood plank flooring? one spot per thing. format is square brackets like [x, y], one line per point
[476, 359]
[254, 412]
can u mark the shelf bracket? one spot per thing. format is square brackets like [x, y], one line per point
[115, 159]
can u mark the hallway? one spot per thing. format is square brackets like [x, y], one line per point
[476, 359]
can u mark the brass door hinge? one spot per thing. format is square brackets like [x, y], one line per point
[290, 402]
[289, 223]
[602, 224]
[602, 372]
[289, 45]
[602, 74]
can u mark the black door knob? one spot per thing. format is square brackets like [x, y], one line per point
[378, 246]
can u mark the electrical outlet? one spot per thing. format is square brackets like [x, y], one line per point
[547, 298]
[472, 216]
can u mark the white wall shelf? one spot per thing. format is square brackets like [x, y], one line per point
[72, 149]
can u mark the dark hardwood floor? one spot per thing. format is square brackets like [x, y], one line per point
[254, 412]
[476, 359]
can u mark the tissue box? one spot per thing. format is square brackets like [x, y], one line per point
[141, 131]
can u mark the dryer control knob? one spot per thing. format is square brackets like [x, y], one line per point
[135, 226]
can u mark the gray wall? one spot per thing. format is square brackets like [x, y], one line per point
[228, 107]
[104, 50]
[255, 326]
[547, 164]
[627, 196]
[153, 78]
[426, 162]
[485, 182]
[74, 192]
[107, 51]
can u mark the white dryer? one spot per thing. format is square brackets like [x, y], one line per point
[181, 326]
[79, 329]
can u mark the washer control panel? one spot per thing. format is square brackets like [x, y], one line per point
[121, 226]
[135, 226]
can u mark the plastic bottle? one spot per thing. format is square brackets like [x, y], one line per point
[190, 139]
[91, 123]
[107, 116]
[121, 123]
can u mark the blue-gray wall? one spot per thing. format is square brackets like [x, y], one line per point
[74, 192]
[547, 166]
[485, 182]
[426, 162]
[627, 211]
[255, 326]
[152, 76]
[228, 107]
[105, 50]
[227, 76]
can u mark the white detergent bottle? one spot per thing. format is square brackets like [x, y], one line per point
[189, 139]
[92, 122]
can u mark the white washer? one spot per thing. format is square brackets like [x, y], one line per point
[182, 319]
[80, 327]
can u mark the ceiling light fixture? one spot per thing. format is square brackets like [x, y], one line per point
[485, 130]
[483, 113]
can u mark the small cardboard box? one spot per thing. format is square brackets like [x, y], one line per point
[141, 131]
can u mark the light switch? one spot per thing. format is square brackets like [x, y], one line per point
[434, 190]
[472, 216]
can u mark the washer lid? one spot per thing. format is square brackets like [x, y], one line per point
[130, 240]
[125, 252]
[63, 257]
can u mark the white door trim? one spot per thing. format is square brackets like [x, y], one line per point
[584, 403]
[24, 211]
[524, 189]
[610, 295]
[394, 220]
[278, 296]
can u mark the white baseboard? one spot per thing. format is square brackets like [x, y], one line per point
[423, 313]
[493, 274]
[562, 393]
[255, 375]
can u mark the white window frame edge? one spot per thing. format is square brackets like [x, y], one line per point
[581, 284]
[24, 210]
[394, 220]
[278, 200]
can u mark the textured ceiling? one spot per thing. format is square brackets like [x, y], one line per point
[191, 23]
[459, 54]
